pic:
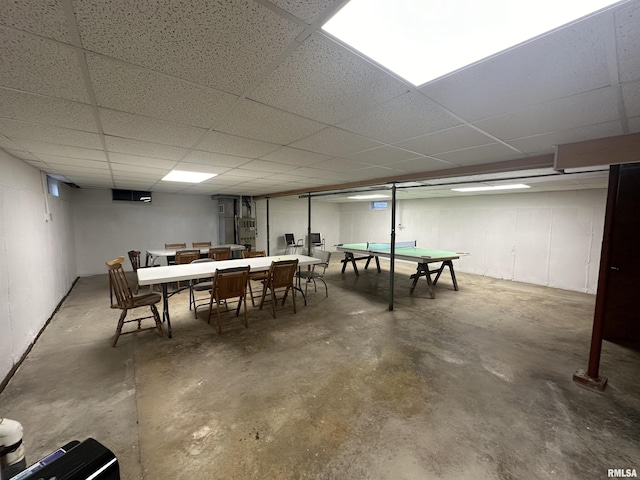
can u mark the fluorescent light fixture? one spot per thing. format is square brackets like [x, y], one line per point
[187, 177]
[488, 188]
[367, 197]
[421, 40]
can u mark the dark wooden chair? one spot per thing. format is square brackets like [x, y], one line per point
[229, 283]
[255, 276]
[127, 301]
[200, 244]
[220, 253]
[171, 259]
[280, 277]
[186, 256]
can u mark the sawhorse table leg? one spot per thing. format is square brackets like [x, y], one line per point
[424, 271]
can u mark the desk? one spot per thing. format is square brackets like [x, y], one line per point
[403, 251]
[155, 254]
[190, 271]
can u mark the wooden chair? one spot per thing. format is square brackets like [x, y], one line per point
[127, 301]
[255, 276]
[171, 259]
[280, 277]
[220, 253]
[200, 244]
[317, 272]
[229, 283]
[199, 285]
[186, 256]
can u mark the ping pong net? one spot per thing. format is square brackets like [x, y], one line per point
[386, 247]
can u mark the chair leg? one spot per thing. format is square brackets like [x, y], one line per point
[219, 318]
[119, 327]
[244, 301]
[156, 317]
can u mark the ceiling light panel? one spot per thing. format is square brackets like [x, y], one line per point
[400, 35]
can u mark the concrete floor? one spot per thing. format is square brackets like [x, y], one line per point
[475, 384]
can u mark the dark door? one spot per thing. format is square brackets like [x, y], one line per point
[622, 307]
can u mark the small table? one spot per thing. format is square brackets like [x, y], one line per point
[403, 251]
[174, 273]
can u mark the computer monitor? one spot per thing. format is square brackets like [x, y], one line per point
[315, 239]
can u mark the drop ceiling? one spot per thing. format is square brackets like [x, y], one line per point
[115, 94]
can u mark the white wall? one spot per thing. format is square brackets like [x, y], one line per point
[37, 258]
[287, 215]
[551, 238]
[106, 229]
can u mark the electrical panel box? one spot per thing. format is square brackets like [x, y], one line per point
[246, 228]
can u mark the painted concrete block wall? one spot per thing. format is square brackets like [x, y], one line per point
[106, 229]
[37, 256]
[551, 238]
[288, 215]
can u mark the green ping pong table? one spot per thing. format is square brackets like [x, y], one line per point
[403, 251]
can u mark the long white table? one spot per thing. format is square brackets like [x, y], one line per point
[174, 273]
[157, 253]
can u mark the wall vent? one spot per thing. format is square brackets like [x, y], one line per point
[131, 196]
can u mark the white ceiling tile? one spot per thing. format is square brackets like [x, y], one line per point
[141, 161]
[545, 143]
[62, 150]
[77, 162]
[406, 116]
[219, 142]
[627, 34]
[46, 133]
[28, 107]
[295, 156]
[139, 171]
[261, 122]
[39, 65]
[477, 155]
[208, 158]
[563, 63]
[24, 156]
[425, 164]
[120, 124]
[127, 184]
[74, 169]
[304, 9]
[455, 138]
[267, 166]
[336, 142]
[35, 16]
[326, 82]
[144, 149]
[199, 40]
[132, 89]
[9, 144]
[341, 165]
[631, 98]
[382, 155]
[597, 106]
[286, 178]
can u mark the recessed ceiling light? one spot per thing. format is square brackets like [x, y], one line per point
[486, 189]
[367, 197]
[422, 40]
[187, 177]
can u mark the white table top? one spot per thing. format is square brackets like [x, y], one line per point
[174, 273]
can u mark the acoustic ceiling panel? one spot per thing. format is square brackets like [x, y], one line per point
[132, 89]
[224, 45]
[325, 82]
